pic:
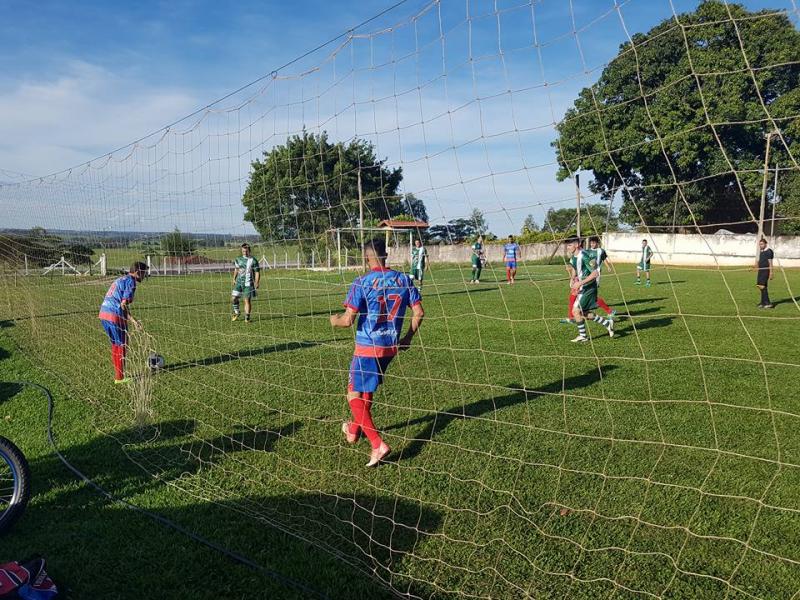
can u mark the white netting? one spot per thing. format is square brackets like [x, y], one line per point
[661, 464]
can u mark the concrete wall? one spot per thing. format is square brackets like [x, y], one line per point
[669, 249]
[463, 253]
[700, 250]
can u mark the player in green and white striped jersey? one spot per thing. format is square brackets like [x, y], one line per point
[246, 279]
[419, 261]
[584, 264]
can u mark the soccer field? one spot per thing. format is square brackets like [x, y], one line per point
[664, 462]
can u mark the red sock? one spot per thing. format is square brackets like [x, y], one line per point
[602, 304]
[362, 415]
[508, 274]
[117, 356]
[572, 297]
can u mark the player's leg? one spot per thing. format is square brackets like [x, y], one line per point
[607, 323]
[235, 295]
[577, 315]
[116, 335]
[513, 274]
[647, 275]
[248, 303]
[570, 303]
[366, 375]
[638, 274]
[478, 269]
[602, 304]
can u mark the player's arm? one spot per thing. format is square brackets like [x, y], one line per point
[417, 314]
[589, 278]
[258, 278]
[608, 262]
[233, 274]
[344, 319]
[770, 268]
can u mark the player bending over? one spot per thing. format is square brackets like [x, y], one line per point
[644, 264]
[419, 261]
[246, 278]
[511, 252]
[115, 316]
[585, 285]
[377, 302]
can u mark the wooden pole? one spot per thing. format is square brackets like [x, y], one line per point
[763, 195]
[361, 220]
[578, 203]
[774, 202]
[339, 249]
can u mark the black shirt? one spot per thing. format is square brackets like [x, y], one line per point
[764, 257]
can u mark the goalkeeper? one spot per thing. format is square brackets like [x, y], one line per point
[246, 279]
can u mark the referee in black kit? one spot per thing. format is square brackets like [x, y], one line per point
[764, 267]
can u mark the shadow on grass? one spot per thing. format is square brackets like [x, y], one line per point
[639, 301]
[6, 323]
[249, 353]
[788, 300]
[474, 290]
[650, 324]
[642, 311]
[330, 542]
[439, 421]
[673, 282]
[8, 390]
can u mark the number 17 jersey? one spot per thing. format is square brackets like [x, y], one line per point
[381, 298]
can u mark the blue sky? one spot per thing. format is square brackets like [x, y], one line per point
[81, 79]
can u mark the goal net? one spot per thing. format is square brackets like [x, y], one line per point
[662, 462]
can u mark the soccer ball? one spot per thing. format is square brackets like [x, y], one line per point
[155, 361]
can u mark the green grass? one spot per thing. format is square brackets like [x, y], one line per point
[664, 462]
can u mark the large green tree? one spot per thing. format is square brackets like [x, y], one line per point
[303, 188]
[690, 101]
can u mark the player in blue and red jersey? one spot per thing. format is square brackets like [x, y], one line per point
[511, 252]
[378, 302]
[115, 315]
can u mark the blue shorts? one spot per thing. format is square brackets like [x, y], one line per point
[511, 264]
[366, 373]
[116, 333]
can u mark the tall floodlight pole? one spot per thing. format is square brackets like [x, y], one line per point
[763, 194]
[361, 220]
[774, 202]
[578, 203]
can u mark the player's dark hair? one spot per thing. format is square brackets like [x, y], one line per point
[245, 245]
[378, 247]
[574, 240]
[138, 267]
[645, 240]
[594, 239]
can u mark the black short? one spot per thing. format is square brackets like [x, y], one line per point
[763, 279]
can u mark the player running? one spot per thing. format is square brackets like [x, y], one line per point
[511, 252]
[477, 260]
[644, 264]
[246, 278]
[419, 261]
[600, 257]
[115, 316]
[584, 265]
[377, 301]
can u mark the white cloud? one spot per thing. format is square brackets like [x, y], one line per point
[52, 125]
